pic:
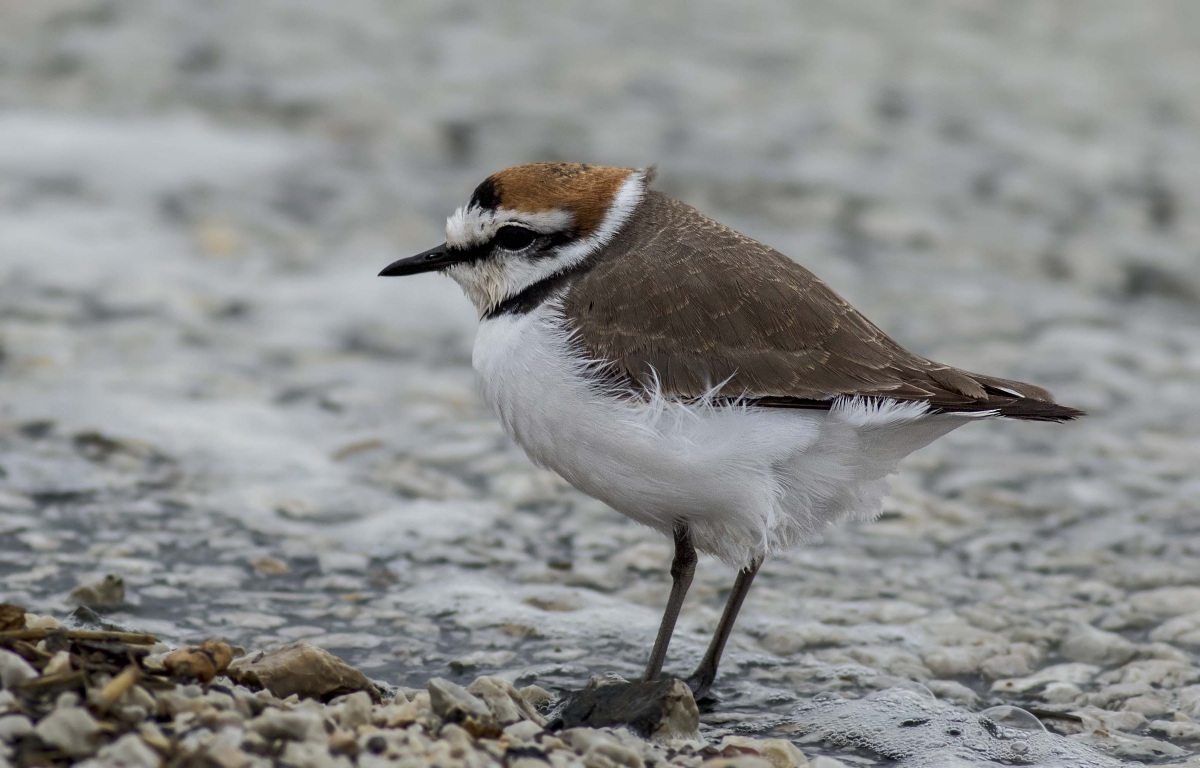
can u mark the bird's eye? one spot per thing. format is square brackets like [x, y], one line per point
[513, 238]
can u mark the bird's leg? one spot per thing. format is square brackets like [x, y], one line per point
[683, 567]
[702, 679]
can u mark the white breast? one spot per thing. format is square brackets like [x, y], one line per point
[749, 482]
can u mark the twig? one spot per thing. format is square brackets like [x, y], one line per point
[117, 687]
[132, 638]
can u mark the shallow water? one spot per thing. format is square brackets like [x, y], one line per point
[204, 388]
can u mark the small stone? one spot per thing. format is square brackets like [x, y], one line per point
[781, 753]
[612, 755]
[1148, 704]
[58, 663]
[377, 744]
[71, 729]
[1166, 601]
[129, 751]
[1059, 673]
[293, 726]
[524, 730]
[1176, 730]
[342, 743]
[536, 696]
[105, 591]
[302, 669]
[355, 710]
[504, 701]
[742, 761]
[270, 566]
[189, 663]
[12, 617]
[660, 709]
[14, 670]
[33, 621]
[1006, 665]
[1090, 645]
[1061, 693]
[1183, 630]
[455, 704]
[13, 727]
[953, 661]
[485, 659]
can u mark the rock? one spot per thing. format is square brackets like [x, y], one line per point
[105, 591]
[1059, 673]
[71, 729]
[455, 704]
[504, 701]
[486, 659]
[354, 710]
[303, 669]
[780, 753]
[1165, 602]
[536, 696]
[521, 731]
[660, 709]
[33, 621]
[954, 661]
[612, 755]
[1090, 645]
[14, 670]
[291, 726]
[190, 663]
[12, 617]
[58, 663]
[1176, 730]
[13, 727]
[1006, 665]
[129, 751]
[743, 761]
[1181, 630]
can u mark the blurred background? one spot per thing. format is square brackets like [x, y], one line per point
[205, 389]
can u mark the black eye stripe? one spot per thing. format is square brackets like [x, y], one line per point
[514, 238]
[544, 244]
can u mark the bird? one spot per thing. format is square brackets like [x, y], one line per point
[692, 378]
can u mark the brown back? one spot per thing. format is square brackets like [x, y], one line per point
[715, 306]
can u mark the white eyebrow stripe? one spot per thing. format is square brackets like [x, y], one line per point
[470, 226]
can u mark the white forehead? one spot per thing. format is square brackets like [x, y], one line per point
[471, 225]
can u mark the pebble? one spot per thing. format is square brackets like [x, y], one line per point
[302, 669]
[13, 727]
[1090, 645]
[506, 704]
[72, 729]
[106, 591]
[455, 704]
[14, 670]
[129, 751]
[294, 725]
[354, 710]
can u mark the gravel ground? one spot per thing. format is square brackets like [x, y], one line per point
[207, 396]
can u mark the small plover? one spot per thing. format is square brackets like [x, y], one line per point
[692, 378]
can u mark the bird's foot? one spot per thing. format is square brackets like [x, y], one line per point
[701, 687]
[658, 708]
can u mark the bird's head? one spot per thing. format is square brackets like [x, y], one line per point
[527, 223]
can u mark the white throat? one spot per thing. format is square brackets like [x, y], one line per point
[489, 281]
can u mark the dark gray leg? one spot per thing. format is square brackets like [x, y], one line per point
[683, 567]
[702, 679]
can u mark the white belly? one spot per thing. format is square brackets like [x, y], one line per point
[748, 482]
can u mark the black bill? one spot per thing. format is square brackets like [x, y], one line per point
[427, 261]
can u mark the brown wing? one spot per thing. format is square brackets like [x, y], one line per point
[714, 307]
